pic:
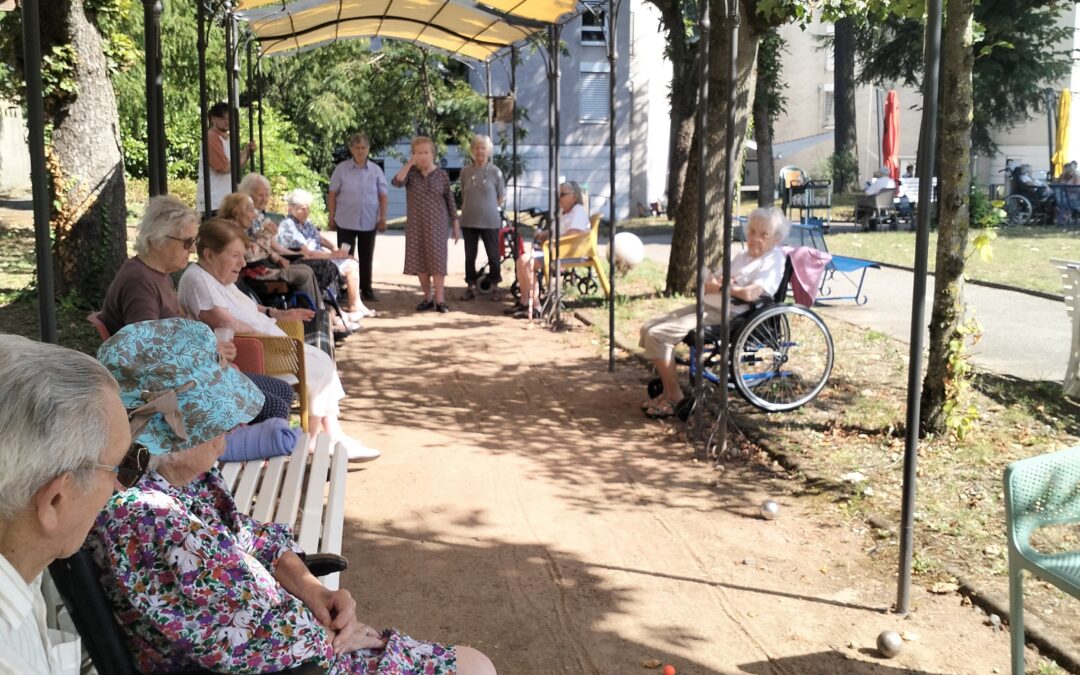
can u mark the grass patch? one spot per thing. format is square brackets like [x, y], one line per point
[1021, 254]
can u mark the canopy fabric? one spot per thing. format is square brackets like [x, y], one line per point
[890, 141]
[1062, 141]
[546, 11]
[445, 25]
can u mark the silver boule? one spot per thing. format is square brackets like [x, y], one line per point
[769, 509]
[889, 643]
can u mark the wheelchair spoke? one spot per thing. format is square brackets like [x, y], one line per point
[782, 358]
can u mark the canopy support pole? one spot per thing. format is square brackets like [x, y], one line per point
[251, 104]
[704, 22]
[514, 164]
[927, 147]
[612, 64]
[554, 296]
[154, 111]
[232, 85]
[490, 101]
[259, 98]
[204, 121]
[39, 176]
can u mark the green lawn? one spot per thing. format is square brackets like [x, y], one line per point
[1020, 254]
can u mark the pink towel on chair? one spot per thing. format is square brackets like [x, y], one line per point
[807, 264]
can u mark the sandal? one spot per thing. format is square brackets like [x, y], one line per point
[647, 403]
[661, 409]
[469, 294]
[496, 295]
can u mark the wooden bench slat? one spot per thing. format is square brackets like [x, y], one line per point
[289, 504]
[334, 517]
[230, 471]
[311, 520]
[244, 493]
[267, 501]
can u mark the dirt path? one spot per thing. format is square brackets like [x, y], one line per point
[524, 505]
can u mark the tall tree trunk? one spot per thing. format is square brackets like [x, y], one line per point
[954, 156]
[683, 100]
[682, 265]
[86, 162]
[844, 137]
[763, 136]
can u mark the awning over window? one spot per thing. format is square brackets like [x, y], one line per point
[453, 28]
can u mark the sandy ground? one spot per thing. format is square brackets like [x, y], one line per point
[523, 505]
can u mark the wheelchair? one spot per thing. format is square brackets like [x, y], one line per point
[1027, 205]
[780, 358]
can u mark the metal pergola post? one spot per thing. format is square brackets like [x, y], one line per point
[612, 63]
[204, 122]
[704, 23]
[159, 95]
[514, 164]
[251, 103]
[927, 145]
[490, 100]
[39, 177]
[232, 86]
[553, 187]
[154, 112]
[258, 97]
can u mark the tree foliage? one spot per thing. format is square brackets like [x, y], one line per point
[394, 93]
[1019, 49]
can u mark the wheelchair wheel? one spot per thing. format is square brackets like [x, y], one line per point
[483, 282]
[654, 387]
[586, 283]
[1018, 209]
[782, 358]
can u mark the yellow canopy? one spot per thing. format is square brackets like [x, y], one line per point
[442, 24]
[1060, 157]
[546, 11]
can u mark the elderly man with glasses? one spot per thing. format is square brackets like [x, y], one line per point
[64, 449]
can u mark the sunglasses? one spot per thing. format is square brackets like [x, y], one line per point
[131, 468]
[188, 243]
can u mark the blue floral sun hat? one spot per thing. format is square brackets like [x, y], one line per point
[170, 376]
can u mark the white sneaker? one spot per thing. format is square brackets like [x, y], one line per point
[358, 452]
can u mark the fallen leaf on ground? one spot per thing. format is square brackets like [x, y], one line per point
[652, 663]
[944, 588]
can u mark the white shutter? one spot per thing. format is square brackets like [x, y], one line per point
[593, 97]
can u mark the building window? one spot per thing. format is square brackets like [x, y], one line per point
[593, 27]
[828, 107]
[593, 93]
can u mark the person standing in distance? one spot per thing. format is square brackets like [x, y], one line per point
[357, 204]
[220, 160]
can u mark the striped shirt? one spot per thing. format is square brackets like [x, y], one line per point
[25, 648]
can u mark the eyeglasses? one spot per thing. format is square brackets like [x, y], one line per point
[189, 242]
[131, 468]
[566, 194]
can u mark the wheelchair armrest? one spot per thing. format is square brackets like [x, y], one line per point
[322, 564]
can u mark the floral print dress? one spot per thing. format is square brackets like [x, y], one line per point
[190, 579]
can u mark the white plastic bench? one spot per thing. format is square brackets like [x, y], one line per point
[306, 494]
[1070, 281]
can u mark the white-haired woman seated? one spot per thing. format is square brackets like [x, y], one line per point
[208, 292]
[755, 272]
[297, 232]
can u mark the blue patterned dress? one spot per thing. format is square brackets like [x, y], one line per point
[191, 582]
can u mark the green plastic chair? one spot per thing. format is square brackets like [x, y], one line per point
[1039, 491]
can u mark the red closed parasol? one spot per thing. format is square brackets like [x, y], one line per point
[890, 141]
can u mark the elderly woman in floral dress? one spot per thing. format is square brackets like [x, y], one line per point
[429, 208]
[194, 582]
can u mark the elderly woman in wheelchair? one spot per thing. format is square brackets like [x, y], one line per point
[757, 271]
